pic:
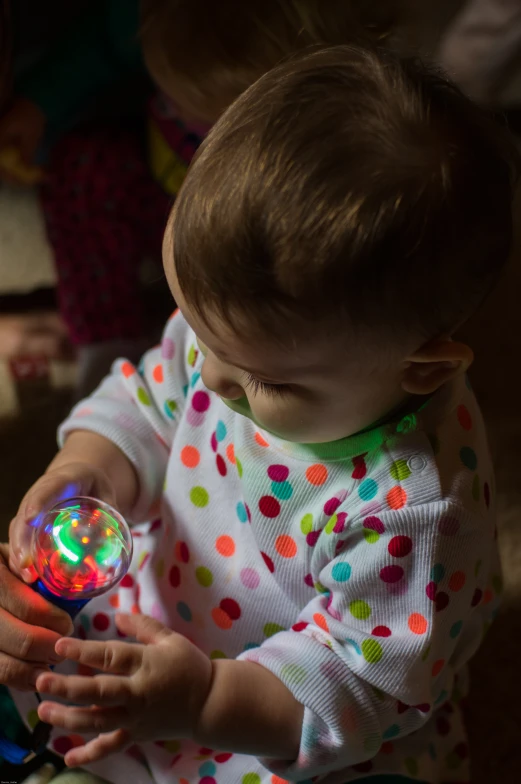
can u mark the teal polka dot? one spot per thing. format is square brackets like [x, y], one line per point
[391, 732]
[282, 490]
[455, 629]
[169, 408]
[437, 573]
[185, 390]
[251, 645]
[242, 514]
[341, 572]
[355, 646]
[195, 378]
[368, 489]
[220, 431]
[468, 458]
[184, 611]
[208, 769]
[85, 622]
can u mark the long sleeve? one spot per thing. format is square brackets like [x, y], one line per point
[377, 648]
[139, 409]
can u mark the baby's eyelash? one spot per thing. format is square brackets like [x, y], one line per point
[276, 390]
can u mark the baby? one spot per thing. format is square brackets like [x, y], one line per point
[321, 562]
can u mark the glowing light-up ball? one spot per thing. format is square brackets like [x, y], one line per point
[81, 548]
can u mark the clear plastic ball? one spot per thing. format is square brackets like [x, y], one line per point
[81, 548]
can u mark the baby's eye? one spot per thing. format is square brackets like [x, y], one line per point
[267, 389]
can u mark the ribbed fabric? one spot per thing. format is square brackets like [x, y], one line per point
[362, 573]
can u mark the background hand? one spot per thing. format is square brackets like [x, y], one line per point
[21, 132]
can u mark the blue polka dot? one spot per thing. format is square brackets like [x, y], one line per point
[282, 490]
[208, 769]
[250, 645]
[195, 378]
[185, 390]
[368, 489]
[468, 458]
[455, 629]
[242, 514]
[220, 431]
[391, 732]
[184, 611]
[437, 573]
[341, 572]
[355, 646]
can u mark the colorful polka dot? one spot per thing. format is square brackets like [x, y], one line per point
[221, 619]
[368, 490]
[400, 470]
[391, 574]
[181, 552]
[321, 622]
[269, 506]
[231, 608]
[207, 769]
[230, 453]
[167, 348]
[199, 497]
[250, 578]
[278, 473]
[282, 490]
[251, 778]
[220, 431]
[203, 576]
[143, 397]
[269, 563]
[360, 609]
[306, 524]
[221, 465]
[341, 572]
[468, 457]
[396, 497]
[437, 573]
[437, 667]
[442, 601]
[373, 528]
[457, 581]
[455, 629]
[225, 546]
[272, 628]
[286, 546]
[464, 417]
[157, 374]
[417, 623]
[381, 631]
[101, 622]
[400, 546]
[359, 467]
[331, 506]
[169, 408]
[128, 369]
[201, 402]
[174, 577]
[261, 441]
[190, 456]
[391, 732]
[317, 474]
[239, 466]
[184, 611]
[371, 651]
[242, 514]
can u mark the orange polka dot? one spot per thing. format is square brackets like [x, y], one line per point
[438, 666]
[277, 780]
[114, 600]
[457, 581]
[321, 621]
[396, 497]
[221, 618]
[260, 440]
[230, 453]
[128, 369]
[135, 609]
[225, 546]
[157, 374]
[286, 546]
[418, 623]
[487, 596]
[174, 313]
[190, 456]
[316, 474]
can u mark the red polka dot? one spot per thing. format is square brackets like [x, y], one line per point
[300, 626]
[457, 581]
[391, 574]
[127, 581]
[431, 591]
[374, 524]
[269, 506]
[63, 744]
[221, 465]
[331, 506]
[174, 577]
[381, 631]
[213, 442]
[128, 369]
[268, 562]
[312, 538]
[321, 621]
[221, 618]
[400, 546]
[442, 601]
[486, 493]
[464, 418]
[201, 401]
[181, 552]
[101, 622]
[231, 608]
[82, 634]
[396, 497]
[224, 757]
[478, 594]
[360, 469]
[157, 374]
[308, 579]
[438, 666]
[286, 546]
[278, 473]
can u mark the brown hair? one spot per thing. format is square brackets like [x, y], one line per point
[347, 184]
[213, 51]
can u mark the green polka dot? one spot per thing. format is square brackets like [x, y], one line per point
[218, 655]
[468, 458]
[33, 718]
[370, 536]
[203, 576]
[331, 524]
[360, 609]
[251, 778]
[239, 466]
[172, 746]
[425, 654]
[192, 355]
[306, 524]
[319, 588]
[160, 568]
[272, 628]
[477, 567]
[475, 488]
[400, 470]
[411, 766]
[85, 622]
[497, 583]
[372, 744]
[282, 490]
[143, 397]
[170, 408]
[199, 496]
[372, 651]
[293, 674]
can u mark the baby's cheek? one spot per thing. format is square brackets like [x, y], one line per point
[284, 417]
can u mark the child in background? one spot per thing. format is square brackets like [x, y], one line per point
[104, 211]
[321, 562]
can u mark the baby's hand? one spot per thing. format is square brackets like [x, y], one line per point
[156, 689]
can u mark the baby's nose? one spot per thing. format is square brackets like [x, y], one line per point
[220, 382]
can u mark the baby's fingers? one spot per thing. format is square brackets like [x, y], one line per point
[91, 719]
[99, 748]
[118, 658]
[105, 690]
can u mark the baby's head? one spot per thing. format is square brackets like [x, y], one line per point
[205, 54]
[341, 220]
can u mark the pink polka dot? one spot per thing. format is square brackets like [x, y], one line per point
[269, 506]
[201, 401]
[167, 348]
[400, 546]
[250, 578]
[381, 631]
[213, 442]
[448, 526]
[486, 493]
[371, 509]
[312, 538]
[195, 418]
[308, 579]
[331, 506]
[374, 524]
[268, 562]
[221, 465]
[278, 473]
[391, 574]
[127, 581]
[431, 590]
[207, 780]
[231, 608]
[101, 622]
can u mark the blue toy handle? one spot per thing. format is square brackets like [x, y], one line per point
[71, 606]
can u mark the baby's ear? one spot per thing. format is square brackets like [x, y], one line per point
[435, 363]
